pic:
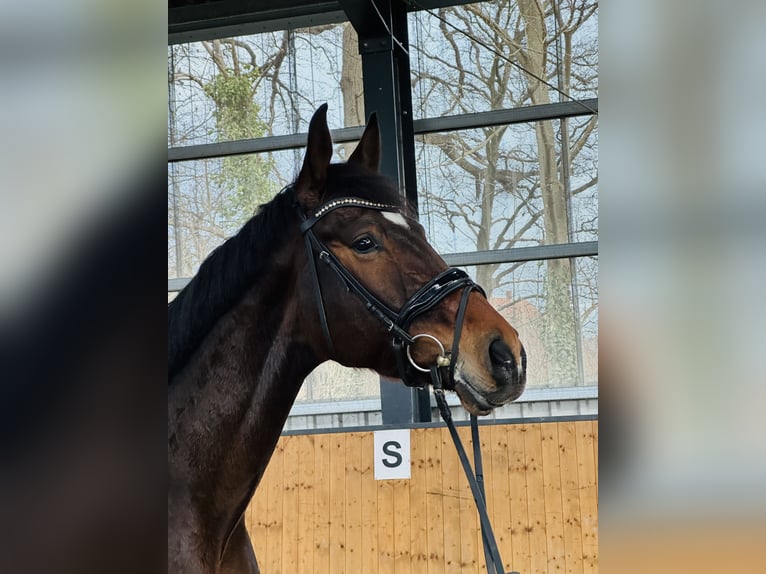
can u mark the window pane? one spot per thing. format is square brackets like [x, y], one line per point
[210, 200]
[334, 382]
[488, 56]
[558, 330]
[263, 84]
[582, 134]
[503, 187]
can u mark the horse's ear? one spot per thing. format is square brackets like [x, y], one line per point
[311, 180]
[367, 153]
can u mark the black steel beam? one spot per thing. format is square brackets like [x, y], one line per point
[536, 253]
[256, 145]
[423, 126]
[521, 115]
[383, 45]
[400, 31]
[239, 27]
[187, 16]
[414, 6]
[208, 20]
[195, 21]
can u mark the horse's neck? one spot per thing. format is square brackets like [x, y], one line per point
[227, 408]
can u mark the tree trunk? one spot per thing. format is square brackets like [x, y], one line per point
[559, 326]
[485, 274]
[351, 84]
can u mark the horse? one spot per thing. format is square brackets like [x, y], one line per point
[334, 267]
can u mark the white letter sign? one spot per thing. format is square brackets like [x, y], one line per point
[392, 454]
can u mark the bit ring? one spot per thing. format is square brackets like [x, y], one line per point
[441, 360]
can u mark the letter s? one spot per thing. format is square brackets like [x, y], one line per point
[388, 448]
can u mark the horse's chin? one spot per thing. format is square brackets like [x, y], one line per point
[472, 399]
[476, 399]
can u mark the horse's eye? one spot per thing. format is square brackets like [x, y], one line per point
[364, 244]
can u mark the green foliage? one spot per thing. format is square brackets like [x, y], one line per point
[244, 179]
[236, 114]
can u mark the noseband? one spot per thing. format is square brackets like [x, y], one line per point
[396, 322]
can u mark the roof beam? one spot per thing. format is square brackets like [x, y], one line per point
[422, 126]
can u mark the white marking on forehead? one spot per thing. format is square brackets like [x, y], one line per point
[396, 218]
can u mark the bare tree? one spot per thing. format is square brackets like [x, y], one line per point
[501, 187]
[213, 198]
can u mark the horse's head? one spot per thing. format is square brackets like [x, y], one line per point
[377, 293]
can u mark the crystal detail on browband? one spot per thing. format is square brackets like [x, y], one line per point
[352, 202]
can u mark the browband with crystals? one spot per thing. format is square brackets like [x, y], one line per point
[309, 222]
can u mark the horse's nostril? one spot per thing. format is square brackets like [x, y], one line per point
[500, 354]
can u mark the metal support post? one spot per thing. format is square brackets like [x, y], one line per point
[383, 45]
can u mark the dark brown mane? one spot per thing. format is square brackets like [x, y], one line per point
[224, 277]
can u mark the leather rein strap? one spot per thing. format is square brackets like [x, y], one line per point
[398, 323]
[475, 481]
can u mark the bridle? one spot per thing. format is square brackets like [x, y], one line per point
[398, 323]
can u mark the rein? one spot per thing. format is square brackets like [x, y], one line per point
[397, 323]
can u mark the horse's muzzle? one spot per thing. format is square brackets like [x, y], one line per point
[505, 383]
[510, 375]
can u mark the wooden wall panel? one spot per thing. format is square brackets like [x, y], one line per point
[306, 505]
[498, 503]
[385, 526]
[586, 472]
[369, 508]
[469, 551]
[354, 549]
[321, 504]
[271, 486]
[290, 503]
[517, 494]
[320, 510]
[434, 494]
[570, 496]
[337, 503]
[538, 555]
[418, 506]
[554, 521]
[450, 494]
